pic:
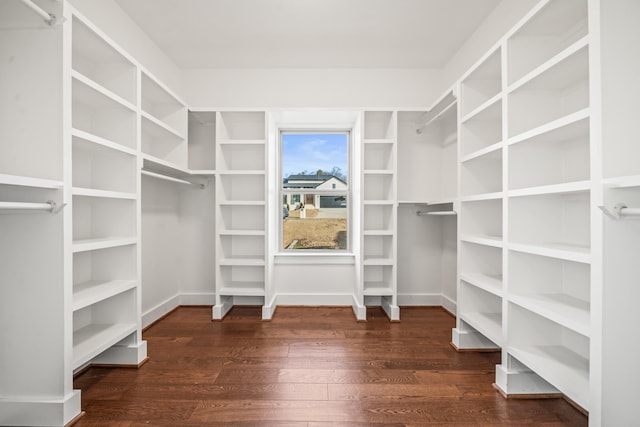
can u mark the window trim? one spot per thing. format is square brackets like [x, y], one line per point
[348, 251]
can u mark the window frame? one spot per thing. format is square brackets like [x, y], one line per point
[346, 193]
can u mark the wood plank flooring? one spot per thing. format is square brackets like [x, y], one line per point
[314, 367]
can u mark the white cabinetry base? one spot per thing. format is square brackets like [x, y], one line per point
[132, 354]
[512, 382]
[471, 340]
[392, 310]
[40, 413]
[221, 310]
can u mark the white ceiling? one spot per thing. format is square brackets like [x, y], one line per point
[309, 33]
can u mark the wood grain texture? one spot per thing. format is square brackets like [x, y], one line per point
[313, 367]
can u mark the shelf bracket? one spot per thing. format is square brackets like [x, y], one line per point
[619, 211]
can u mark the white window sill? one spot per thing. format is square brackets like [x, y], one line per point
[316, 258]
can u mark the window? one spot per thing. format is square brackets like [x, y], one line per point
[315, 190]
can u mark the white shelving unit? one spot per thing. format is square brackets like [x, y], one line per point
[379, 182]
[36, 332]
[105, 248]
[527, 203]
[241, 247]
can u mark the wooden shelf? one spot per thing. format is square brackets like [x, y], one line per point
[159, 129]
[101, 90]
[226, 232]
[241, 142]
[377, 261]
[379, 141]
[564, 188]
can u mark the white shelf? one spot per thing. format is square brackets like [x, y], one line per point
[95, 244]
[486, 196]
[226, 232]
[487, 282]
[482, 108]
[378, 172]
[488, 324]
[442, 213]
[494, 241]
[25, 181]
[242, 203]
[376, 289]
[378, 261]
[566, 310]
[90, 192]
[380, 141]
[565, 188]
[102, 141]
[239, 289]
[155, 164]
[90, 341]
[554, 125]
[564, 251]
[241, 142]
[482, 152]
[242, 261]
[89, 293]
[562, 56]
[563, 368]
[373, 232]
[240, 172]
[159, 129]
[630, 181]
[378, 202]
[102, 90]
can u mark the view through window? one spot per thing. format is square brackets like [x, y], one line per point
[315, 190]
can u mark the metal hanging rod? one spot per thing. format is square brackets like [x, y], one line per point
[172, 179]
[620, 210]
[49, 206]
[49, 18]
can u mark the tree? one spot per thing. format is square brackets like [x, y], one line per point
[337, 172]
[319, 172]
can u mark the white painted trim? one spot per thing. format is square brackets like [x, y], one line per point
[422, 299]
[21, 412]
[359, 310]
[315, 299]
[203, 298]
[448, 304]
[220, 310]
[155, 313]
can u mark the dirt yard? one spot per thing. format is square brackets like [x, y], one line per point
[314, 233]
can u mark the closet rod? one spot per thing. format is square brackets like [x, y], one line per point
[28, 206]
[49, 18]
[170, 178]
[436, 117]
[620, 210]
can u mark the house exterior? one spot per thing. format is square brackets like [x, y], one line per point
[307, 184]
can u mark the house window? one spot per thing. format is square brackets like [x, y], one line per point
[315, 190]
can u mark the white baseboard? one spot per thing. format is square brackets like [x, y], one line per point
[161, 309]
[449, 304]
[419, 300]
[314, 299]
[24, 412]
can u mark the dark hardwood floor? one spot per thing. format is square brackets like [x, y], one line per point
[308, 367]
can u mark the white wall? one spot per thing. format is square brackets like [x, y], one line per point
[310, 88]
[501, 20]
[109, 17]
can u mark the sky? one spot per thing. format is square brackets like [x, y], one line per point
[313, 151]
